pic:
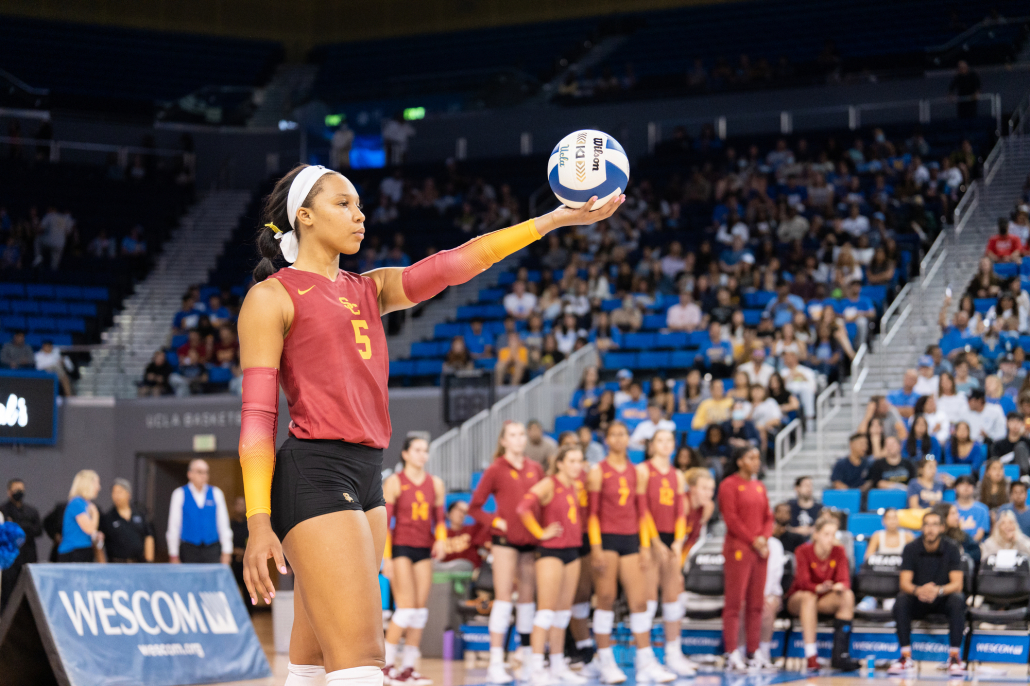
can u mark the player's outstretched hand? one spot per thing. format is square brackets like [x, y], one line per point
[262, 544]
[582, 216]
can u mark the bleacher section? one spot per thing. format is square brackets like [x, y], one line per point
[65, 315]
[88, 65]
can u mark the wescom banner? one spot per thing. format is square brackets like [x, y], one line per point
[148, 624]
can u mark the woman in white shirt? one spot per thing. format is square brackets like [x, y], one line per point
[937, 421]
[567, 333]
[949, 400]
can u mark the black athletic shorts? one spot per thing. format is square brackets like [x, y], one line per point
[314, 477]
[566, 555]
[503, 540]
[667, 538]
[584, 550]
[412, 553]
[623, 544]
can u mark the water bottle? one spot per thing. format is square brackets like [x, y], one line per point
[870, 666]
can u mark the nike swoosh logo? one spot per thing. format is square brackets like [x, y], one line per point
[303, 292]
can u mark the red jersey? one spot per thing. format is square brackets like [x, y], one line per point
[811, 571]
[663, 499]
[507, 485]
[463, 543]
[744, 506]
[564, 508]
[694, 524]
[334, 367]
[617, 511]
[1004, 246]
[584, 502]
[413, 513]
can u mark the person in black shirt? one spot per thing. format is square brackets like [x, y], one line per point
[892, 470]
[965, 86]
[1014, 448]
[27, 517]
[238, 524]
[781, 519]
[128, 534]
[804, 509]
[931, 583]
[156, 375]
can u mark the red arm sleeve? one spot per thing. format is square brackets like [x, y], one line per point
[257, 436]
[730, 510]
[483, 491]
[427, 277]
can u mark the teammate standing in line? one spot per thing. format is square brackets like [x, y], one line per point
[320, 499]
[698, 504]
[579, 627]
[559, 529]
[508, 479]
[744, 506]
[618, 529]
[413, 498]
[668, 532]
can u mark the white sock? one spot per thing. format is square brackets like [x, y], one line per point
[536, 662]
[496, 656]
[766, 648]
[355, 676]
[305, 675]
[390, 656]
[672, 647]
[645, 656]
[585, 643]
[526, 653]
[606, 656]
[411, 656]
[557, 662]
[811, 650]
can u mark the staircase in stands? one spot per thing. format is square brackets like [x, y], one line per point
[951, 263]
[144, 324]
[290, 84]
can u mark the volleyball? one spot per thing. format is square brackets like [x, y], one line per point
[587, 163]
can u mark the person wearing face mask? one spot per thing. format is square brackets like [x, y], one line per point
[27, 517]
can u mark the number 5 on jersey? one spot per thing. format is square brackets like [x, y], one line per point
[361, 339]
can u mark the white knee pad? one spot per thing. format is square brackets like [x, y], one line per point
[652, 608]
[305, 675]
[544, 619]
[581, 611]
[524, 616]
[419, 618]
[500, 617]
[673, 612]
[561, 619]
[355, 676]
[640, 622]
[604, 620]
[402, 616]
[683, 598]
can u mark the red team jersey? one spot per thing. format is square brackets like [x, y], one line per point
[335, 366]
[584, 503]
[811, 571]
[507, 485]
[564, 508]
[694, 525]
[413, 513]
[744, 506]
[663, 499]
[618, 504]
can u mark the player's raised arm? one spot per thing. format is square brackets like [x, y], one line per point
[400, 288]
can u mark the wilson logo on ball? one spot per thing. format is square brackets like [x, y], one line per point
[601, 168]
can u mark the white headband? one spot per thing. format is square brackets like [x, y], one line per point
[299, 189]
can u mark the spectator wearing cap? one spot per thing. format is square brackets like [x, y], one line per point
[928, 382]
[128, 533]
[1014, 448]
[1002, 247]
[624, 378]
[975, 517]
[904, 399]
[852, 471]
[784, 306]
[634, 410]
[1017, 506]
[16, 353]
[646, 429]
[986, 420]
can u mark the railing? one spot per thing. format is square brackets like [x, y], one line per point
[859, 372]
[55, 147]
[782, 453]
[1018, 118]
[827, 406]
[469, 448]
[993, 162]
[534, 199]
[966, 206]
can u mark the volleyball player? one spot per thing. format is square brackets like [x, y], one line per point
[579, 627]
[744, 506]
[508, 479]
[415, 502]
[559, 529]
[618, 530]
[319, 500]
[698, 504]
[668, 531]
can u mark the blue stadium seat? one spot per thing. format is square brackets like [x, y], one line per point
[682, 359]
[83, 309]
[506, 279]
[448, 330]
[5, 306]
[218, 375]
[638, 341]
[62, 339]
[949, 495]
[207, 291]
[860, 548]
[39, 291]
[401, 367]
[610, 304]
[635, 456]
[474, 480]
[864, 523]
[617, 360]
[695, 437]
[1024, 267]
[758, 298]
[653, 360]
[983, 304]
[567, 422]
[1011, 471]
[486, 363]
[653, 322]
[173, 358]
[848, 501]
[956, 470]
[683, 420]
[878, 294]
[98, 293]
[42, 324]
[454, 497]
[53, 307]
[752, 317]
[672, 339]
[491, 295]
[71, 324]
[24, 307]
[883, 498]
[68, 292]
[423, 349]
[428, 368]
[1006, 270]
[12, 290]
[697, 339]
[13, 322]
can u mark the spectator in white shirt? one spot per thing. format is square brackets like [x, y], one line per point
[855, 224]
[673, 263]
[393, 186]
[646, 429]
[577, 302]
[758, 370]
[920, 174]
[49, 359]
[950, 401]
[937, 422]
[801, 381]
[986, 420]
[684, 315]
[625, 379]
[199, 531]
[519, 303]
[927, 383]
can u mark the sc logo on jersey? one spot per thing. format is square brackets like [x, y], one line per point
[353, 307]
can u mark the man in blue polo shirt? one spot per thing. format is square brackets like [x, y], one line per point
[904, 399]
[857, 309]
[198, 520]
[784, 305]
[715, 355]
[634, 410]
[476, 342]
[974, 516]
